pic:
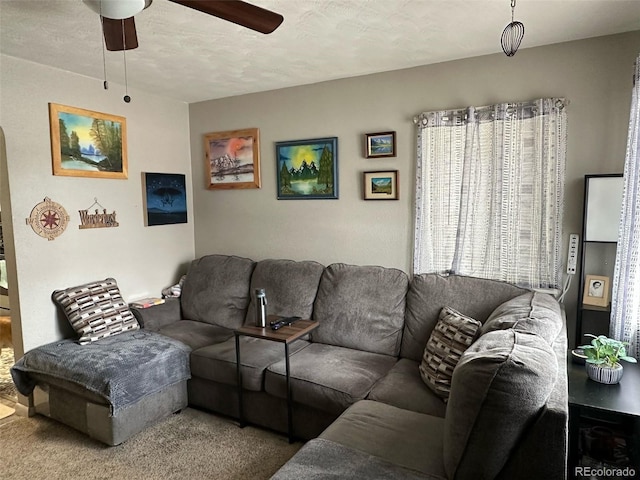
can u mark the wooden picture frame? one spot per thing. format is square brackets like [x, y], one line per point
[307, 169]
[378, 145]
[232, 159]
[380, 185]
[85, 143]
[596, 291]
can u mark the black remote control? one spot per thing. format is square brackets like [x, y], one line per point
[282, 322]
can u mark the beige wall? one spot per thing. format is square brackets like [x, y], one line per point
[594, 75]
[142, 259]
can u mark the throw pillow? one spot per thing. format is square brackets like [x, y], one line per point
[452, 335]
[96, 310]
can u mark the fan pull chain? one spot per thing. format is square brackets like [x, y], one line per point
[126, 97]
[105, 84]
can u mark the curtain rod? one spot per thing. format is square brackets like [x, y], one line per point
[566, 102]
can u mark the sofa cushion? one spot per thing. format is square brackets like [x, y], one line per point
[291, 287]
[96, 310]
[409, 439]
[216, 290]
[403, 387]
[322, 459]
[196, 334]
[533, 312]
[361, 307]
[121, 369]
[218, 362]
[429, 293]
[451, 336]
[499, 389]
[327, 377]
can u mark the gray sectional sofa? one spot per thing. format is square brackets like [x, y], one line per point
[356, 386]
[358, 395]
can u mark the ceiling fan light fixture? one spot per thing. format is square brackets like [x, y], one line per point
[117, 9]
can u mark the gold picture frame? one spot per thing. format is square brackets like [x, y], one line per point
[85, 143]
[232, 159]
[596, 291]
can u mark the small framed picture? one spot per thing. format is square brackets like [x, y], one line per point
[381, 185]
[381, 144]
[165, 198]
[596, 291]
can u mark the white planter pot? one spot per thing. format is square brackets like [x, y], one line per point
[607, 375]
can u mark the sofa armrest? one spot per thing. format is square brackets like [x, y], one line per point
[158, 316]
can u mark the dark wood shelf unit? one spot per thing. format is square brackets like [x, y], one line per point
[603, 312]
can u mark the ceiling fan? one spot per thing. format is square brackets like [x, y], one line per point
[119, 28]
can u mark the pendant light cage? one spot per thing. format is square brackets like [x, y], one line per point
[512, 34]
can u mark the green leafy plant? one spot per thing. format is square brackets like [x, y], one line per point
[606, 351]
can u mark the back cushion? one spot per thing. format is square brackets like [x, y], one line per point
[429, 293]
[533, 312]
[499, 387]
[361, 307]
[216, 290]
[290, 286]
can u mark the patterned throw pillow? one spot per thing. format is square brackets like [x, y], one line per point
[452, 335]
[96, 310]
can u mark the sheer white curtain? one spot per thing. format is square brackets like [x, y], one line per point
[625, 301]
[490, 191]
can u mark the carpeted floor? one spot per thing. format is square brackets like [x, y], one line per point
[190, 445]
[7, 388]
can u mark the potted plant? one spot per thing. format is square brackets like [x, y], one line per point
[603, 358]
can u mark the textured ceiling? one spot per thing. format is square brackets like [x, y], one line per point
[190, 56]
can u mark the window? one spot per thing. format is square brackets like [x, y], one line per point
[489, 193]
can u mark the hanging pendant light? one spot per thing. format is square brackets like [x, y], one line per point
[512, 35]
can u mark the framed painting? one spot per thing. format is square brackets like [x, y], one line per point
[86, 143]
[307, 169]
[381, 144]
[165, 198]
[381, 185]
[596, 291]
[233, 159]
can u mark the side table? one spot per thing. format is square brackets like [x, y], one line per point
[604, 422]
[285, 335]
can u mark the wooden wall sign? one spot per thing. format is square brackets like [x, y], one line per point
[97, 220]
[48, 219]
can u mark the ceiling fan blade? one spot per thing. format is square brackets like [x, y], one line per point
[238, 12]
[112, 30]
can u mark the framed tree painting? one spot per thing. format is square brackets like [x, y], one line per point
[307, 169]
[165, 198]
[86, 143]
[233, 159]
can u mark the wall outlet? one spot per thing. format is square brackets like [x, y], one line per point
[572, 257]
